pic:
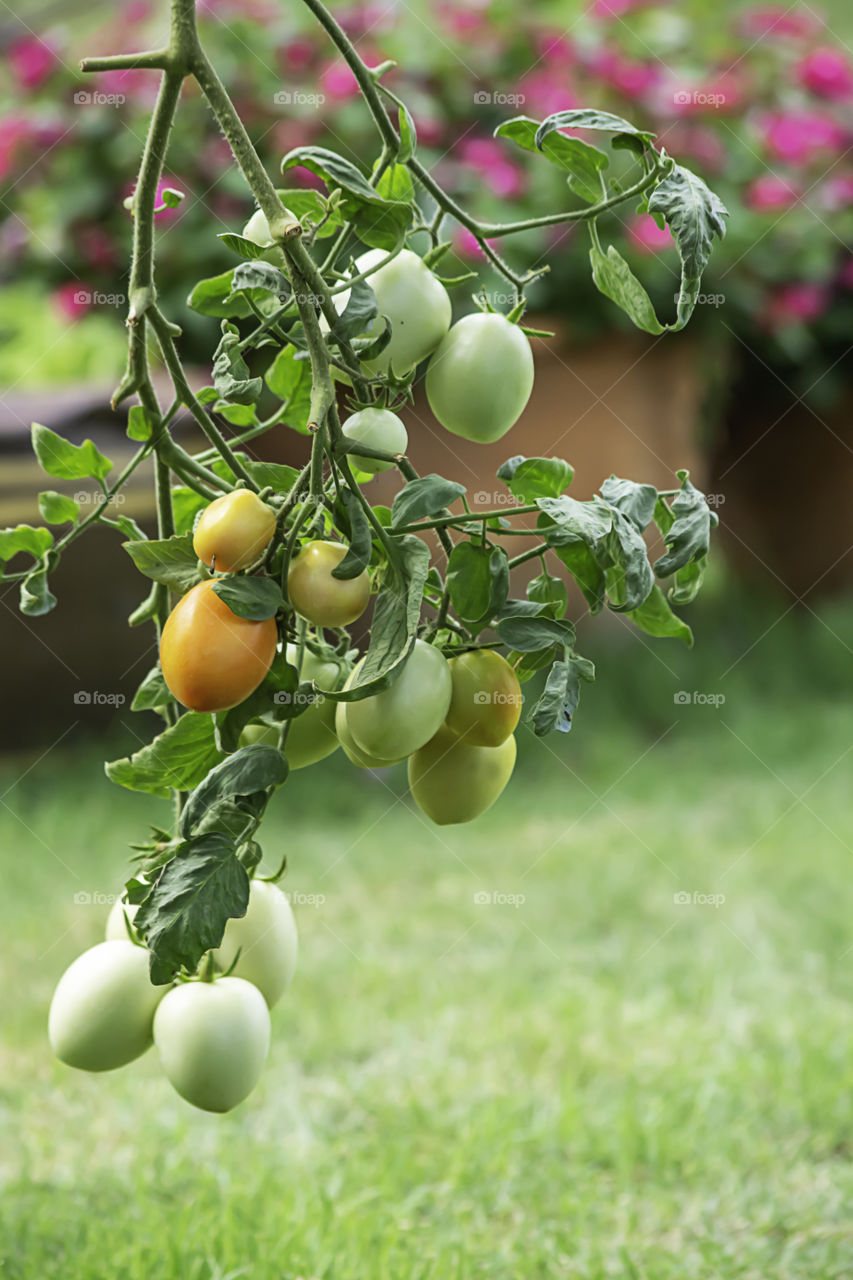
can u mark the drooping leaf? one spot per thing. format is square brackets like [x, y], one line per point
[360, 547]
[571, 519]
[531, 478]
[357, 315]
[379, 222]
[584, 118]
[581, 162]
[153, 693]
[216, 297]
[656, 617]
[694, 215]
[478, 581]
[424, 497]
[548, 590]
[35, 597]
[689, 535]
[529, 634]
[635, 501]
[263, 277]
[172, 561]
[556, 706]
[614, 278]
[248, 771]
[230, 371]
[59, 457]
[290, 380]
[24, 539]
[624, 558]
[190, 903]
[256, 598]
[178, 758]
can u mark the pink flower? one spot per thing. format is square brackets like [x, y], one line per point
[795, 137]
[14, 131]
[837, 193]
[429, 129]
[465, 245]
[73, 299]
[632, 79]
[545, 91]
[296, 55]
[141, 86]
[778, 20]
[554, 48]
[770, 193]
[32, 61]
[460, 19]
[96, 248]
[136, 11]
[487, 158]
[338, 82]
[698, 141]
[827, 73]
[795, 303]
[646, 236]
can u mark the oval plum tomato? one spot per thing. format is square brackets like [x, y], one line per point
[452, 782]
[311, 736]
[316, 595]
[416, 303]
[480, 378]
[485, 706]
[392, 724]
[102, 1010]
[211, 659]
[359, 758]
[267, 940]
[213, 1039]
[233, 531]
[376, 429]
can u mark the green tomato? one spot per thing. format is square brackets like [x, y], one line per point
[416, 303]
[480, 378]
[116, 927]
[103, 1007]
[267, 940]
[392, 724]
[485, 707]
[377, 429]
[213, 1039]
[317, 595]
[257, 229]
[311, 736]
[452, 782]
[359, 758]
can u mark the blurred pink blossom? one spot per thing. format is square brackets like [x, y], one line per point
[795, 303]
[296, 55]
[554, 48]
[487, 157]
[845, 275]
[826, 72]
[167, 213]
[136, 11]
[633, 79]
[615, 8]
[14, 130]
[779, 20]
[646, 236]
[837, 192]
[337, 81]
[545, 90]
[96, 248]
[795, 136]
[32, 60]
[465, 245]
[140, 86]
[770, 193]
[73, 299]
[430, 129]
[698, 141]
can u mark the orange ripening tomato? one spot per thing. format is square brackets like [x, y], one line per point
[233, 531]
[212, 659]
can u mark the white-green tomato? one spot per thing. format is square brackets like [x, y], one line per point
[376, 429]
[257, 229]
[116, 927]
[102, 1010]
[267, 940]
[480, 378]
[213, 1039]
[311, 736]
[392, 724]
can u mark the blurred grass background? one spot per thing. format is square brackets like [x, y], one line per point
[582, 1078]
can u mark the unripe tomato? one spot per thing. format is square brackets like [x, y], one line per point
[377, 429]
[481, 377]
[452, 782]
[311, 736]
[267, 940]
[257, 229]
[211, 659]
[213, 1039]
[416, 303]
[485, 707]
[359, 758]
[102, 1010]
[316, 595]
[116, 928]
[392, 724]
[233, 531]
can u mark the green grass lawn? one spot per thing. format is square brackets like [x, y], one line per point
[592, 1082]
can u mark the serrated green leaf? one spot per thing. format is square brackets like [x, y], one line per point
[614, 278]
[689, 535]
[254, 598]
[57, 508]
[172, 561]
[531, 478]
[24, 539]
[426, 496]
[230, 371]
[694, 215]
[247, 772]
[635, 501]
[58, 457]
[581, 162]
[178, 758]
[656, 618]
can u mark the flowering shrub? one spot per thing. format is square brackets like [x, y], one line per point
[764, 110]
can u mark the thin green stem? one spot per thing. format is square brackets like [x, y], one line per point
[441, 522]
[528, 555]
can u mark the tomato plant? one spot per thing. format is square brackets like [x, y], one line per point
[333, 304]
